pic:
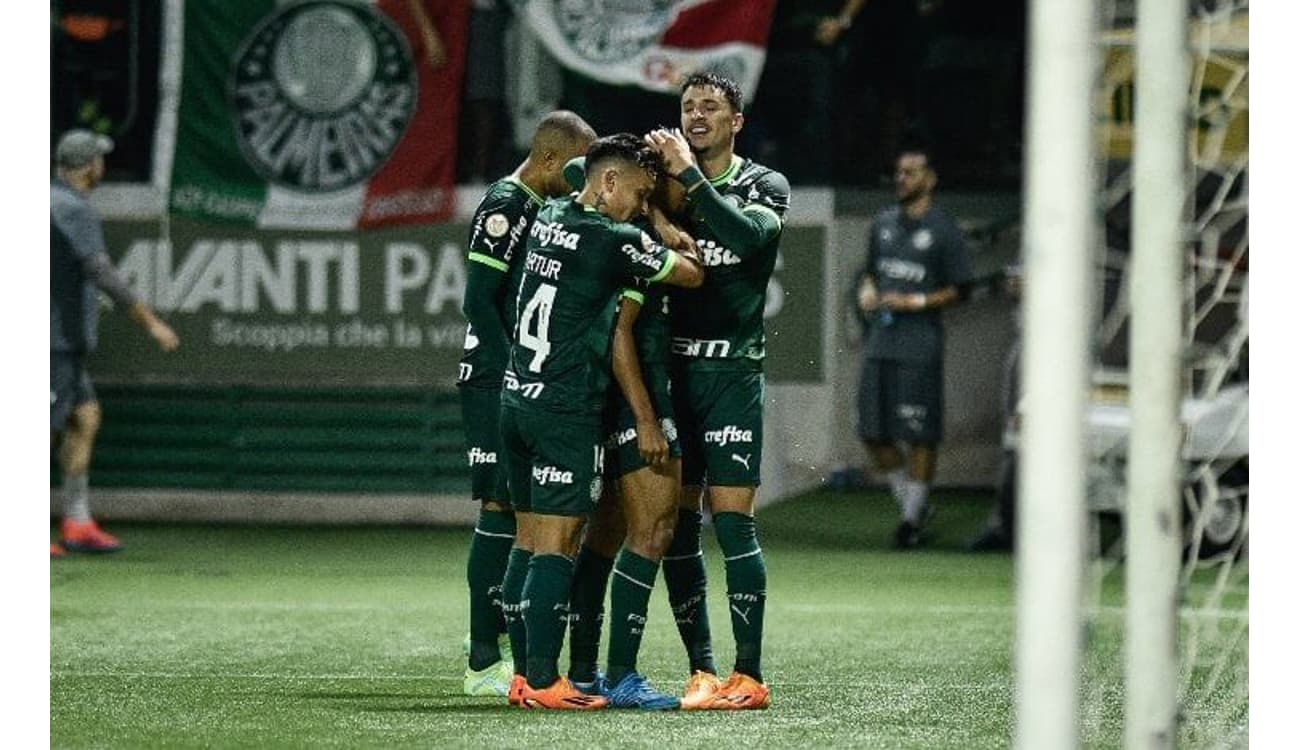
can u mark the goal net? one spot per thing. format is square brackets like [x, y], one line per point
[1213, 626]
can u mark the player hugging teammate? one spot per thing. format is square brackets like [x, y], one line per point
[590, 305]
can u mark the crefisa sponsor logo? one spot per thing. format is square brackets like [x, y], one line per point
[321, 93]
[728, 435]
[478, 456]
[545, 475]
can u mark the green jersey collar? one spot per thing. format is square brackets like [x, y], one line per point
[726, 176]
[536, 198]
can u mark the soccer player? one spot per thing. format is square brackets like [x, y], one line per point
[645, 460]
[737, 209]
[916, 265]
[496, 242]
[579, 254]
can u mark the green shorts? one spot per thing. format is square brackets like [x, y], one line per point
[720, 421]
[620, 427]
[480, 412]
[901, 402]
[554, 461]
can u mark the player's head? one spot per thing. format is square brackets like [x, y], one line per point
[79, 156]
[712, 112]
[560, 136]
[621, 174]
[914, 175]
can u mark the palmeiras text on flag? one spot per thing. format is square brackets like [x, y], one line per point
[320, 114]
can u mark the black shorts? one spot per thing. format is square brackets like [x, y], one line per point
[70, 387]
[901, 401]
[480, 411]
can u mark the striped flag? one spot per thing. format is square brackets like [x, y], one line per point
[322, 114]
[654, 44]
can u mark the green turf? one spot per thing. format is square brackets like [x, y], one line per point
[291, 637]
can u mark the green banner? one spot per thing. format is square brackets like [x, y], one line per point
[382, 306]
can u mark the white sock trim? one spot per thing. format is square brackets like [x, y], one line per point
[477, 530]
[684, 557]
[642, 584]
[757, 551]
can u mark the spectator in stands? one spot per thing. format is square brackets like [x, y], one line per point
[79, 264]
[486, 124]
[916, 265]
[794, 100]
[1000, 532]
[887, 47]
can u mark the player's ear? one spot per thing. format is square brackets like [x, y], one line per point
[737, 122]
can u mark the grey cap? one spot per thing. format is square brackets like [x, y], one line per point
[77, 148]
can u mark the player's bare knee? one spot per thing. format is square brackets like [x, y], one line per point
[86, 419]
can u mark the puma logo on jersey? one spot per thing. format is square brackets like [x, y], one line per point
[553, 234]
[742, 461]
[728, 435]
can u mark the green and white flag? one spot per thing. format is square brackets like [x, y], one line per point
[327, 114]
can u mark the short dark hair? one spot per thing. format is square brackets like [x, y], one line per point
[628, 147]
[729, 88]
[917, 145]
[561, 128]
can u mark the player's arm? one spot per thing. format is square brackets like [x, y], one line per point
[627, 373]
[483, 280]
[86, 237]
[743, 229]
[955, 277]
[865, 284]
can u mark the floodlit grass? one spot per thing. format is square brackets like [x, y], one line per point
[292, 637]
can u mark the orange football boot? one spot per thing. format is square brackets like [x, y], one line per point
[700, 690]
[741, 692]
[561, 695]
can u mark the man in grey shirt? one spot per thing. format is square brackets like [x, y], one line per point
[79, 266]
[916, 265]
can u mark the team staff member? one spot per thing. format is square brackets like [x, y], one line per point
[579, 254]
[496, 243]
[79, 265]
[737, 208]
[916, 265]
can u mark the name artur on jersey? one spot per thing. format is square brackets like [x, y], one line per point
[540, 265]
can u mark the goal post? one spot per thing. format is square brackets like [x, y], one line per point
[1058, 257]
[1153, 537]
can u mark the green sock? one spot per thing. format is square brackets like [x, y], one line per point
[629, 601]
[489, 553]
[546, 612]
[587, 612]
[685, 577]
[512, 590]
[746, 588]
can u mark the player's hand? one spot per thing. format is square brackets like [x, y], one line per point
[652, 444]
[672, 146]
[829, 30]
[163, 334]
[868, 299]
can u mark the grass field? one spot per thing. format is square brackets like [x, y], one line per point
[315, 637]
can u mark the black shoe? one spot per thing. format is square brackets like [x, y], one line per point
[907, 536]
[991, 540]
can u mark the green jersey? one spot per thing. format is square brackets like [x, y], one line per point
[496, 244]
[576, 260]
[720, 324]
